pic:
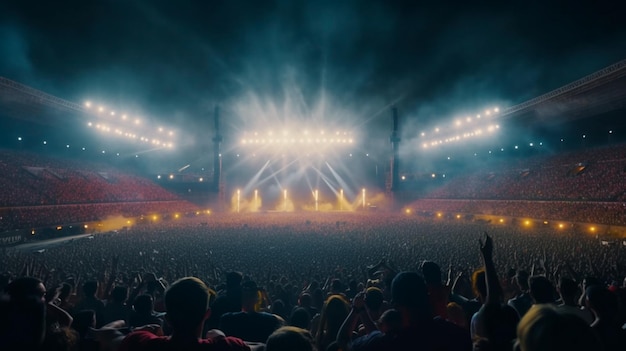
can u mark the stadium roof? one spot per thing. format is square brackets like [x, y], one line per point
[600, 92]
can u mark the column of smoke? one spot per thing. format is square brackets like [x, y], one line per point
[247, 203]
[340, 204]
[285, 206]
[378, 199]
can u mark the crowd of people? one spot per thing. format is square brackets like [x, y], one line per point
[608, 213]
[29, 179]
[323, 281]
[590, 175]
[319, 281]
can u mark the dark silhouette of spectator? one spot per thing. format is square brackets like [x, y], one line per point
[604, 305]
[279, 309]
[352, 289]
[358, 313]
[456, 315]
[248, 324]
[23, 315]
[300, 318]
[83, 322]
[305, 301]
[469, 294]
[419, 330]
[541, 289]
[522, 300]
[336, 288]
[91, 302]
[116, 307]
[375, 303]
[543, 328]
[569, 291]
[493, 326]
[333, 314]
[290, 339]
[29, 287]
[25, 288]
[228, 300]
[65, 297]
[187, 304]
[438, 294]
[143, 312]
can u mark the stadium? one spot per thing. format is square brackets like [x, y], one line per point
[313, 170]
[316, 189]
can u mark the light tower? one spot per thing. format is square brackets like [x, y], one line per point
[395, 158]
[217, 155]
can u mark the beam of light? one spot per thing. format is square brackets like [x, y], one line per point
[255, 178]
[238, 200]
[325, 179]
[342, 183]
[341, 199]
[256, 199]
[363, 198]
[285, 200]
[183, 168]
[275, 173]
[316, 194]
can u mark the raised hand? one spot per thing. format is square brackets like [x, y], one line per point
[486, 247]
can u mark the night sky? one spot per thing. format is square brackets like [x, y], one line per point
[334, 62]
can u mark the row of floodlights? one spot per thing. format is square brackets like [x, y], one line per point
[105, 128]
[297, 141]
[103, 111]
[305, 133]
[476, 133]
[458, 122]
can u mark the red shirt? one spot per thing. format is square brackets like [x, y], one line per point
[144, 340]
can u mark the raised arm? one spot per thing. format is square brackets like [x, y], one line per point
[494, 291]
[358, 312]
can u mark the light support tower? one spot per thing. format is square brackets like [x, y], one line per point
[217, 157]
[395, 158]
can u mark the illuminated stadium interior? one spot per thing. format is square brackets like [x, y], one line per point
[371, 175]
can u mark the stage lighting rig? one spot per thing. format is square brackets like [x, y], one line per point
[302, 141]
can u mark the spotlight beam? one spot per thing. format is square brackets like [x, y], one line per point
[255, 178]
[326, 180]
[273, 175]
[342, 183]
